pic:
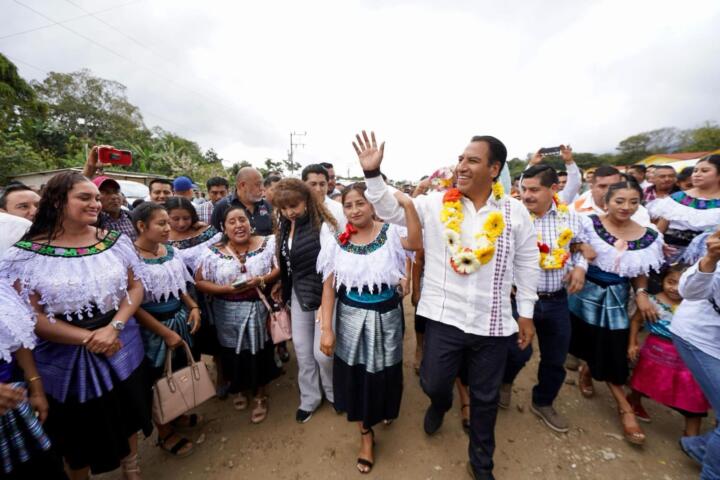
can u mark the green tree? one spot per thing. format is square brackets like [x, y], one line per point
[91, 108]
[18, 102]
[703, 139]
[270, 165]
[291, 166]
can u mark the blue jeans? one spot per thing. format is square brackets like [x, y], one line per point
[552, 326]
[706, 370]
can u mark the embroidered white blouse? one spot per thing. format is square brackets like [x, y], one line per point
[17, 322]
[73, 280]
[381, 261]
[164, 277]
[222, 269]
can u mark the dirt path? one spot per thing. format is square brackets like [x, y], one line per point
[326, 446]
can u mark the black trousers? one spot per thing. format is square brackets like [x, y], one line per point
[445, 348]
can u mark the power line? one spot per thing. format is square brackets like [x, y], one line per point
[17, 60]
[145, 112]
[123, 57]
[88, 14]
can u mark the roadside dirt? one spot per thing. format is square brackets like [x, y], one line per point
[230, 447]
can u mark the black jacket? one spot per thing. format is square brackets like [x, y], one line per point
[297, 267]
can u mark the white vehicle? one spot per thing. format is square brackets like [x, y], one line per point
[133, 190]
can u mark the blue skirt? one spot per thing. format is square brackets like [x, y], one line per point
[601, 327]
[367, 366]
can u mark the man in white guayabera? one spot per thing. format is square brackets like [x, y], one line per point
[478, 243]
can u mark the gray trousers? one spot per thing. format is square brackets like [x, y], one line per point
[315, 369]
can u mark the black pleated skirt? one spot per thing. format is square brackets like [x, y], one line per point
[604, 350]
[95, 433]
[246, 371]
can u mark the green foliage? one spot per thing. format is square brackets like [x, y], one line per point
[703, 139]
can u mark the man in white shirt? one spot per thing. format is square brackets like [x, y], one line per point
[469, 315]
[316, 177]
[593, 201]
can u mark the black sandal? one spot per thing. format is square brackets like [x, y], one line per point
[465, 421]
[193, 421]
[175, 449]
[362, 461]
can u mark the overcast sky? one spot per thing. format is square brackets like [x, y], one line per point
[426, 75]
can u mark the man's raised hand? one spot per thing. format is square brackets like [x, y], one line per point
[368, 153]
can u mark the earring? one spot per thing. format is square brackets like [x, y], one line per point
[252, 230]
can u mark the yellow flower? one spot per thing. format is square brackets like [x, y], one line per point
[494, 225]
[457, 206]
[498, 190]
[484, 255]
[453, 225]
[564, 238]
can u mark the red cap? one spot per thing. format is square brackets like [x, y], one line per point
[98, 181]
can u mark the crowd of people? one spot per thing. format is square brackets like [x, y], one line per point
[613, 272]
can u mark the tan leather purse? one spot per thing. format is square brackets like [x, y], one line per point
[180, 391]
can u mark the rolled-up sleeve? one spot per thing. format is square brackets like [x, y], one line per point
[526, 267]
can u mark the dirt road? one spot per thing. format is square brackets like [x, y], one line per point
[230, 447]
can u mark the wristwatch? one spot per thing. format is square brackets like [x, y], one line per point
[118, 325]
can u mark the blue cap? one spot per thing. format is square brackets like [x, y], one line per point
[182, 184]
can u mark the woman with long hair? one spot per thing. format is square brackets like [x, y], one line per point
[626, 253]
[685, 215]
[365, 265]
[302, 219]
[81, 284]
[191, 238]
[168, 315]
[235, 271]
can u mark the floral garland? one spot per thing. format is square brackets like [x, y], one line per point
[556, 256]
[465, 260]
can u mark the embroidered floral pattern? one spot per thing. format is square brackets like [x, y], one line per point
[697, 203]
[367, 248]
[257, 251]
[642, 242]
[51, 251]
[194, 241]
[169, 255]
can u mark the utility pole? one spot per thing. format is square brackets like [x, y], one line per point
[291, 152]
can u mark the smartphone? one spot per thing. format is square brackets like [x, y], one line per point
[114, 156]
[550, 151]
[239, 283]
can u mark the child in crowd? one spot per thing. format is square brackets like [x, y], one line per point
[660, 372]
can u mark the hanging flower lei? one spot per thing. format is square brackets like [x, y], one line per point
[556, 256]
[465, 260]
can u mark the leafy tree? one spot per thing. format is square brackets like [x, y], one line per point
[88, 107]
[291, 166]
[270, 165]
[703, 139]
[18, 102]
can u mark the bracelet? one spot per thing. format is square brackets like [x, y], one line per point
[641, 290]
[195, 308]
[32, 379]
[372, 173]
[262, 282]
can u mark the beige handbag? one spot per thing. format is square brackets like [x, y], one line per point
[180, 391]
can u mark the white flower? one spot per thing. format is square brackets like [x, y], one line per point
[452, 238]
[465, 262]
